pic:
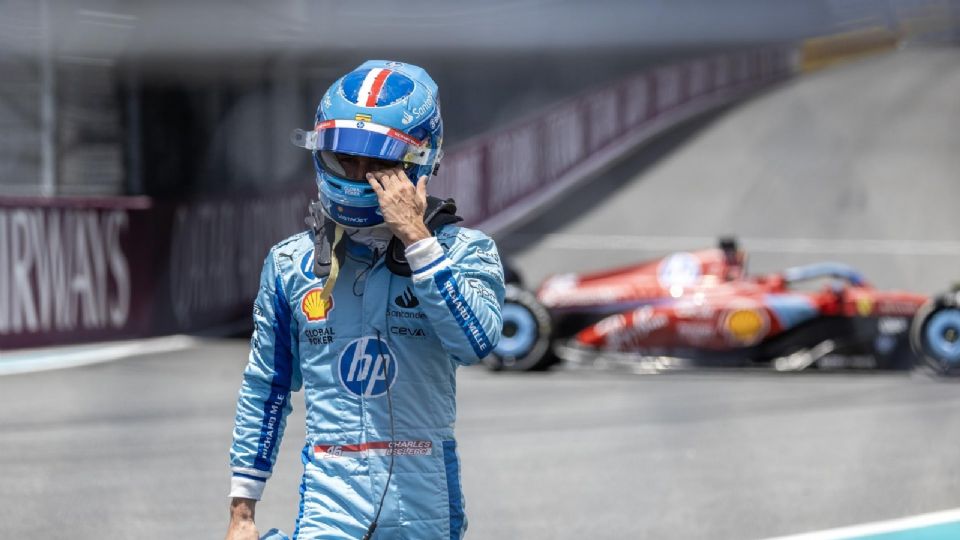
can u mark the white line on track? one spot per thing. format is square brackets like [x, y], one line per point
[755, 245]
[879, 527]
[31, 360]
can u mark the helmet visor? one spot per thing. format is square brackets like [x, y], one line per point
[354, 167]
[367, 139]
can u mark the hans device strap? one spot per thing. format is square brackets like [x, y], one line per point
[324, 238]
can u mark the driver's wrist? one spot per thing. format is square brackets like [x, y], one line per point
[242, 509]
[412, 234]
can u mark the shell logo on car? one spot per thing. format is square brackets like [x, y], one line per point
[313, 306]
[746, 326]
[865, 306]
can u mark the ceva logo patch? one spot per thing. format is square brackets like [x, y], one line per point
[367, 367]
[314, 308]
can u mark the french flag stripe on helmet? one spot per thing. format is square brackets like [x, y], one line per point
[370, 89]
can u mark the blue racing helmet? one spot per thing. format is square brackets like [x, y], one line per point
[387, 112]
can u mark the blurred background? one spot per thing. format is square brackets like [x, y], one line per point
[146, 168]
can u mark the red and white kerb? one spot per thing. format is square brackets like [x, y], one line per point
[370, 89]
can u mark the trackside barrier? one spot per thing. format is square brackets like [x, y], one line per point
[498, 178]
[85, 270]
[81, 270]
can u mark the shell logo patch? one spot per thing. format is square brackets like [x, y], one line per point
[746, 326]
[865, 306]
[313, 307]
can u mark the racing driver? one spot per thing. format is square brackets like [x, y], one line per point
[370, 311]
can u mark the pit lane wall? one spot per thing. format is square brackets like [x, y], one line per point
[83, 270]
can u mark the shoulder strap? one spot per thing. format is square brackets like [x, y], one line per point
[439, 212]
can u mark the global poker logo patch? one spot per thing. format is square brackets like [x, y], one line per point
[367, 367]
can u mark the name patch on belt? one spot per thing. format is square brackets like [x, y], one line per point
[378, 448]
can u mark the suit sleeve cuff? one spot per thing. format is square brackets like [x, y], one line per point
[426, 257]
[246, 487]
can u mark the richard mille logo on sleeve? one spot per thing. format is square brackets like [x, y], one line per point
[407, 299]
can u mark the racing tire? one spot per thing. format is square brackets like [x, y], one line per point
[525, 342]
[935, 335]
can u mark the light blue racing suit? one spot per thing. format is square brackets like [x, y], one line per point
[380, 330]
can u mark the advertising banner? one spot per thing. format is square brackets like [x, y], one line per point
[92, 270]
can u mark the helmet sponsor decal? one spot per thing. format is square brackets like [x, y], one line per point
[746, 326]
[367, 367]
[417, 112]
[315, 308]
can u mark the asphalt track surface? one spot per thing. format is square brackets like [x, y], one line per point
[138, 448]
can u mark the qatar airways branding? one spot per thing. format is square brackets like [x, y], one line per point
[63, 270]
[217, 250]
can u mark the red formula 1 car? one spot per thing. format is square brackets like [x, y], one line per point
[701, 309]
